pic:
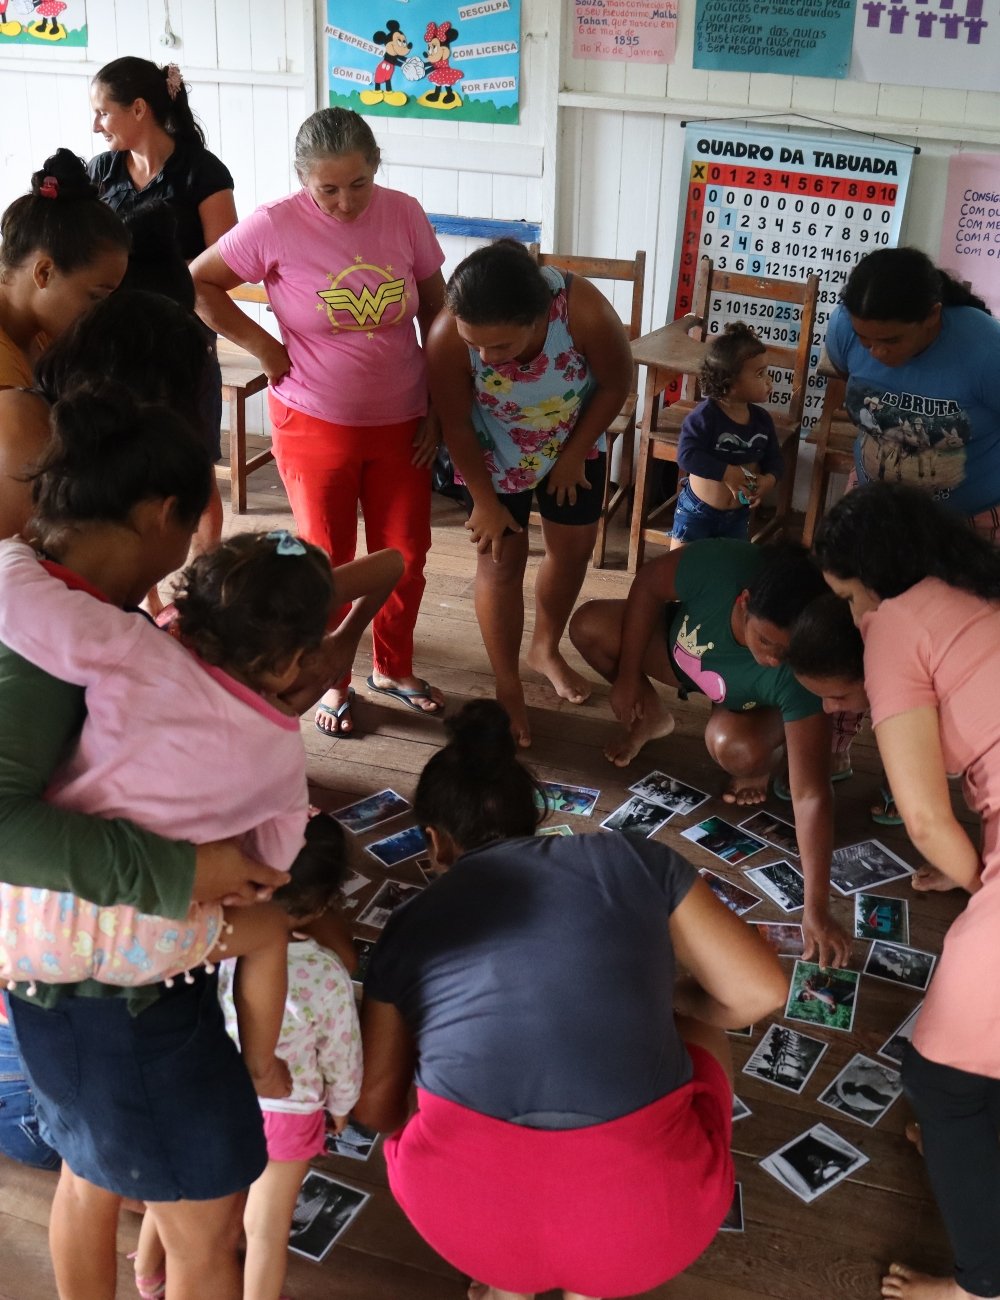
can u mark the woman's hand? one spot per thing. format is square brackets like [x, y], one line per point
[487, 524]
[566, 475]
[224, 874]
[823, 936]
[274, 361]
[426, 440]
[626, 699]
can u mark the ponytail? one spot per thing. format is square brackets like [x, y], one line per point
[164, 90]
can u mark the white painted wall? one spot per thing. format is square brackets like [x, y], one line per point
[595, 157]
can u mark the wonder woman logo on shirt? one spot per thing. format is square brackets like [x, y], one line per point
[351, 309]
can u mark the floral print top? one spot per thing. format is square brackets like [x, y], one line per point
[523, 413]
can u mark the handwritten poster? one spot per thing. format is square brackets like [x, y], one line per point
[802, 38]
[785, 205]
[946, 43]
[427, 58]
[43, 24]
[643, 31]
[970, 232]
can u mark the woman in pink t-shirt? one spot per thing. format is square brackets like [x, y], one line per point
[349, 267]
[925, 590]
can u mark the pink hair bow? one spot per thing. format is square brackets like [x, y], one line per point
[439, 30]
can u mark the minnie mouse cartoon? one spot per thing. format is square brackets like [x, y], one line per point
[440, 73]
[395, 48]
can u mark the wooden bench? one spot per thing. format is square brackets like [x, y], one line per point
[242, 377]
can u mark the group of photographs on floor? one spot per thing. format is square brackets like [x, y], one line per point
[786, 1057]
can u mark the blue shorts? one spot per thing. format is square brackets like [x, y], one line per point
[694, 521]
[586, 510]
[157, 1106]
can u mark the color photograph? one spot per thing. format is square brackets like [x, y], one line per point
[726, 891]
[723, 840]
[881, 918]
[825, 998]
[366, 813]
[576, 799]
[397, 848]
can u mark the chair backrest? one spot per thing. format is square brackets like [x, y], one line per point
[707, 304]
[630, 270]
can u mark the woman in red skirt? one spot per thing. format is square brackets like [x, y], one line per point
[574, 1098]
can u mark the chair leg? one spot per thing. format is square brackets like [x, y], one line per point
[601, 541]
[818, 488]
[238, 453]
[637, 539]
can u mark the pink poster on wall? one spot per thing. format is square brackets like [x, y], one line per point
[637, 30]
[970, 231]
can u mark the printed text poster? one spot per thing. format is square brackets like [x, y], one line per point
[947, 43]
[55, 24]
[970, 232]
[624, 29]
[804, 38]
[425, 58]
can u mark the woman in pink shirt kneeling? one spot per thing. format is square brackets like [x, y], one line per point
[925, 591]
[349, 267]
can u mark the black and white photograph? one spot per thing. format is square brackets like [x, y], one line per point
[785, 1058]
[637, 817]
[895, 1045]
[772, 830]
[354, 883]
[733, 1222]
[562, 829]
[364, 949]
[669, 793]
[390, 896]
[578, 799]
[723, 840]
[863, 1090]
[813, 1163]
[783, 936]
[899, 965]
[354, 1141]
[865, 866]
[397, 848]
[740, 1109]
[726, 891]
[881, 918]
[782, 883]
[324, 1210]
[372, 811]
[745, 1032]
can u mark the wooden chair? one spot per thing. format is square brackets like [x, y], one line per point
[661, 424]
[242, 377]
[631, 271]
[833, 437]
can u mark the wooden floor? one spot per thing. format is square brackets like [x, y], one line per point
[833, 1249]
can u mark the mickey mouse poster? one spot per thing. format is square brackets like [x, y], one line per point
[425, 58]
[44, 24]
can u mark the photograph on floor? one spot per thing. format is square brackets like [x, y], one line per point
[325, 1209]
[813, 1163]
[784, 938]
[781, 883]
[881, 918]
[894, 1047]
[773, 830]
[670, 793]
[371, 811]
[785, 1058]
[637, 817]
[900, 965]
[723, 840]
[726, 891]
[826, 998]
[863, 1090]
[865, 866]
[397, 848]
[576, 799]
[391, 894]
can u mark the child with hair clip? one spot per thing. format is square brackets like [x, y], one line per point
[247, 613]
[728, 446]
[320, 1040]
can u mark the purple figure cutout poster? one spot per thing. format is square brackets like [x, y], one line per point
[950, 44]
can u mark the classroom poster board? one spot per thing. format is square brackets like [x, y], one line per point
[451, 61]
[785, 205]
[810, 38]
[642, 31]
[953, 44]
[62, 26]
[970, 231]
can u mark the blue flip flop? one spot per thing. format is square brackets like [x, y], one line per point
[409, 695]
[338, 713]
[882, 816]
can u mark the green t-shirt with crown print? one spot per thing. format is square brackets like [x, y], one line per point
[703, 651]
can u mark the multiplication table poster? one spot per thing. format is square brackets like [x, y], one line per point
[785, 206]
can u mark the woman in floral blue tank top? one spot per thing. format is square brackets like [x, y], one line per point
[527, 369]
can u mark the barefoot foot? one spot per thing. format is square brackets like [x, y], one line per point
[928, 880]
[746, 790]
[914, 1135]
[511, 696]
[905, 1283]
[567, 683]
[624, 746]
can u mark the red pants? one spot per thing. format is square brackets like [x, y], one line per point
[610, 1210]
[327, 469]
